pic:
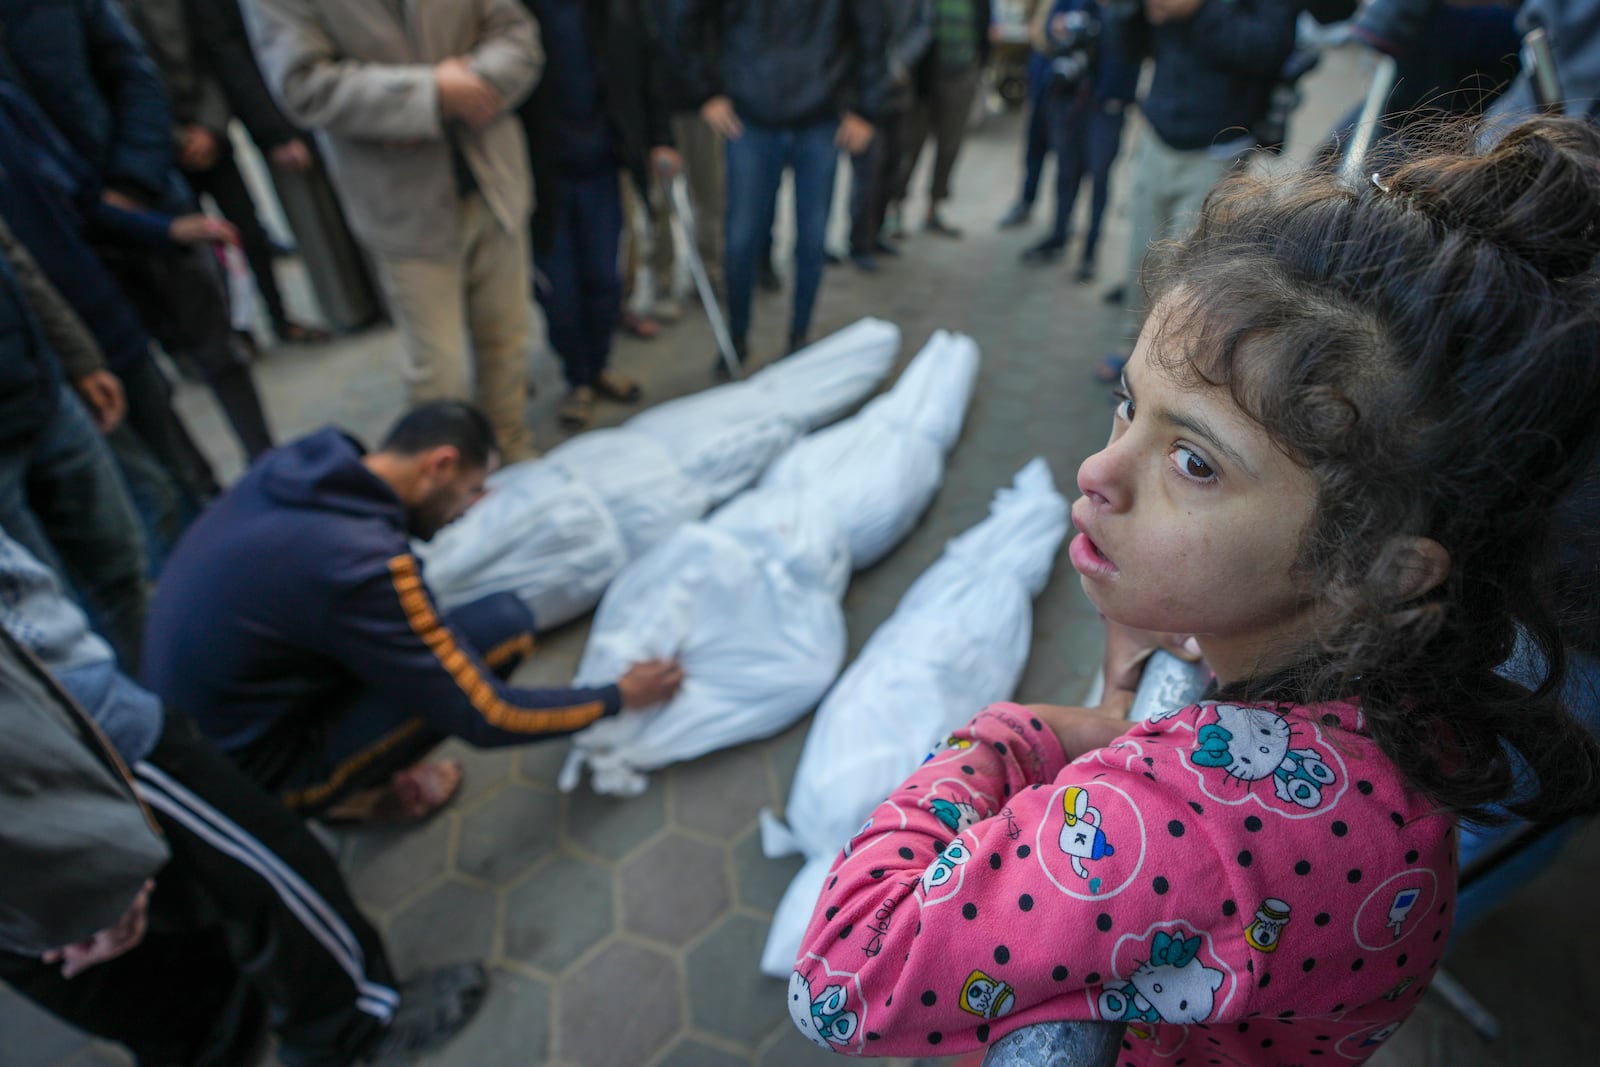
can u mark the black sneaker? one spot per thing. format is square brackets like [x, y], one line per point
[1085, 272]
[1046, 251]
[885, 248]
[434, 1006]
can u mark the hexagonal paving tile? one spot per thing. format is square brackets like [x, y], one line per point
[673, 887]
[562, 909]
[512, 1029]
[720, 794]
[745, 1010]
[614, 826]
[692, 1053]
[619, 1008]
[454, 922]
[759, 882]
[508, 833]
[541, 761]
[784, 753]
[387, 865]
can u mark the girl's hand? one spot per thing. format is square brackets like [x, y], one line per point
[198, 229]
[1081, 730]
[1127, 649]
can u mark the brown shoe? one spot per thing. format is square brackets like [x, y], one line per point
[618, 387]
[577, 410]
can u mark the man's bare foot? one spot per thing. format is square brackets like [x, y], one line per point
[412, 795]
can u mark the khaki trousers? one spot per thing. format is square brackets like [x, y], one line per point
[476, 301]
[1169, 187]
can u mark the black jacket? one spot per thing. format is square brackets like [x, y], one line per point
[219, 30]
[783, 62]
[30, 379]
[630, 63]
[1214, 70]
[88, 71]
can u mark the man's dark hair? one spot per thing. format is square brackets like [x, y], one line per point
[444, 422]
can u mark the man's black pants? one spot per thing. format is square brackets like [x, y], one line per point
[251, 911]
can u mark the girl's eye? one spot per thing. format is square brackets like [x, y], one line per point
[1124, 404]
[1192, 465]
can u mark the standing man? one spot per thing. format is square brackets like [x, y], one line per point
[86, 69]
[414, 105]
[947, 83]
[874, 172]
[788, 83]
[599, 109]
[1215, 64]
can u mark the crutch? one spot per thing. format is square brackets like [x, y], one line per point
[678, 196]
[1383, 79]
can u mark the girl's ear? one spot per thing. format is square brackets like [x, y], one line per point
[1416, 566]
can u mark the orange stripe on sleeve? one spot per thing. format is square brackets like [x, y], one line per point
[480, 691]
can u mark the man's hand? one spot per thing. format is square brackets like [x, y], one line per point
[855, 134]
[652, 682]
[665, 161]
[1159, 11]
[198, 148]
[109, 943]
[292, 156]
[199, 229]
[1081, 730]
[464, 95]
[121, 201]
[720, 116]
[102, 394]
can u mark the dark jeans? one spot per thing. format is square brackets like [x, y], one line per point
[311, 763]
[182, 298]
[250, 911]
[224, 184]
[63, 499]
[1085, 138]
[1036, 143]
[756, 162]
[871, 181]
[577, 281]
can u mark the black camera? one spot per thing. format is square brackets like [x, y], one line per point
[1075, 38]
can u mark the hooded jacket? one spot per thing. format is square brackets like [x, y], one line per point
[297, 591]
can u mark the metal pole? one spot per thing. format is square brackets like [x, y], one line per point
[684, 212]
[1383, 79]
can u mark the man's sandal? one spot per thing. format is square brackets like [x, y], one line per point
[618, 387]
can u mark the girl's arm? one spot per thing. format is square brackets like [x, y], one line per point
[1000, 886]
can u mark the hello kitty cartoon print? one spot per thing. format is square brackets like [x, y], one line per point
[1253, 745]
[1173, 984]
[820, 1014]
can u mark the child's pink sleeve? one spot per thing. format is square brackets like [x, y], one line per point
[999, 886]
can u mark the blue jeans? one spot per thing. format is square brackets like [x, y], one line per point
[63, 499]
[1036, 140]
[577, 282]
[756, 162]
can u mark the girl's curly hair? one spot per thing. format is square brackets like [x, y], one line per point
[1427, 344]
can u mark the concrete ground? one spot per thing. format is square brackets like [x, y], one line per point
[625, 933]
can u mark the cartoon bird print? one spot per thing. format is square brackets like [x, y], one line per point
[1081, 835]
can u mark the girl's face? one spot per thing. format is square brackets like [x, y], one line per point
[1191, 521]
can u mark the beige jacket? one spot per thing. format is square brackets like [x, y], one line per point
[360, 73]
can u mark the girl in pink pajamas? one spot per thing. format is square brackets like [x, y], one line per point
[1333, 462]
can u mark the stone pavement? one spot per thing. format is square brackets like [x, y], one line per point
[625, 933]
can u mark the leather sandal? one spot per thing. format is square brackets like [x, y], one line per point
[618, 387]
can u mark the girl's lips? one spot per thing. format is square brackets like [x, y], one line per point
[1087, 558]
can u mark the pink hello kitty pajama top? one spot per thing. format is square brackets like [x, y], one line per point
[1240, 885]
